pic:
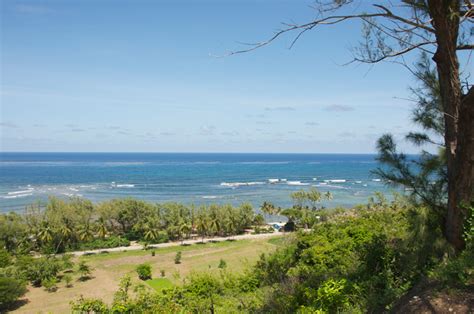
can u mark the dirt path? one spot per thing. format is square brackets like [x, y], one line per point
[135, 247]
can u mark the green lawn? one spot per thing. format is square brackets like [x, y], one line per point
[159, 283]
[109, 268]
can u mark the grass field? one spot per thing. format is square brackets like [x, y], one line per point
[160, 283]
[110, 267]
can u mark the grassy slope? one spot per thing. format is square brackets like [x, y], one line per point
[109, 268]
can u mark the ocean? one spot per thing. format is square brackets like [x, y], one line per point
[190, 178]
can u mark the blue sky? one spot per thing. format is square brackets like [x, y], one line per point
[144, 76]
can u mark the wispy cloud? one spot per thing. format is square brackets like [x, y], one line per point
[9, 125]
[77, 130]
[311, 123]
[167, 133]
[230, 133]
[263, 122]
[339, 108]
[282, 108]
[207, 130]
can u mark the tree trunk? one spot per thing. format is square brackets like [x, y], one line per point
[459, 114]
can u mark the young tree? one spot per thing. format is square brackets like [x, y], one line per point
[85, 270]
[10, 290]
[436, 27]
[425, 178]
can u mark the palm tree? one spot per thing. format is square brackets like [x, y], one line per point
[102, 230]
[45, 233]
[215, 225]
[202, 226]
[85, 233]
[231, 226]
[269, 209]
[184, 229]
[151, 231]
[65, 232]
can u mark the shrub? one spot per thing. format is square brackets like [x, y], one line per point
[36, 270]
[153, 253]
[10, 290]
[89, 306]
[50, 284]
[68, 280]
[5, 258]
[332, 297]
[222, 264]
[162, 272]
[177, 258]
[144, 271]
[84, 270]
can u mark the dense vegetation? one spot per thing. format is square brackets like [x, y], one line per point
[78, 224]
[362, 260]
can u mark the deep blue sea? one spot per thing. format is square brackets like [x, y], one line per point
[185, 177]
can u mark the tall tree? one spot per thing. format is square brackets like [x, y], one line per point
[440, 28]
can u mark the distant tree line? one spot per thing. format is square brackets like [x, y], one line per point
[78, 224]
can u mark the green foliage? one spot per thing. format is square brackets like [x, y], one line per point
[10, 290]
[177, 258]
[222, 264]
[88, 306]
[424, 177]
[68, 280]
[104, 243]
[84, 270]
[332, 296]
[364, 259]
[38, 270]
[78, 224]
[144, 271]
[458, 271]
[50, 284]
[5, 258]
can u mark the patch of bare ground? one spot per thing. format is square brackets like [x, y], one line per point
[430, 299]
[37, 300]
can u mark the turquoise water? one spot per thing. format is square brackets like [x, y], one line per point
[185, 177]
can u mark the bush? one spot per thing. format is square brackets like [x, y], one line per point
[332, 297]
[50, 284]
[177, 258]
[89, 306]
[144, 271]
[162, 272]
[85, 270]
[153, 253]
[68, 280]
[10, 290]
[5, 258]
[36, 270]
[222, 264]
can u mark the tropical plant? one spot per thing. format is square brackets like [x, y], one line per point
[144, 271]
[10, 290]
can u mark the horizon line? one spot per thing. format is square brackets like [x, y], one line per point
[187, 152]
